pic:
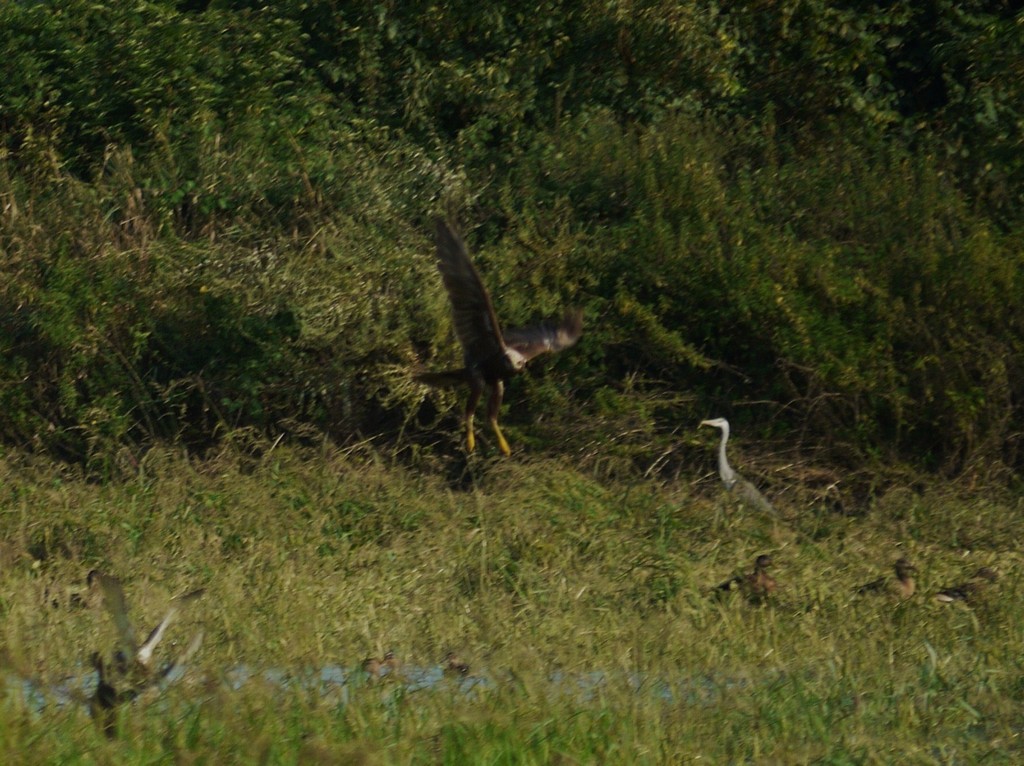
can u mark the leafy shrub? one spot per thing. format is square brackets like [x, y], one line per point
[217, 215]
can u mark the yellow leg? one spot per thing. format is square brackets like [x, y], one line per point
[493, 407]
[476, 390]
[502, 444]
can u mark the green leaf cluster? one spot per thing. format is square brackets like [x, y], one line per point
[806, 216]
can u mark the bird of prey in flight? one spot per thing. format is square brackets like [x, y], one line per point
[490, 355]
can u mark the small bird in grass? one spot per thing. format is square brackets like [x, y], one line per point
[131, 671]
[902, 586]
[756, 586]
[744, 491]
[454, 666]
[970, 591]
[389, 665]
[490, 356]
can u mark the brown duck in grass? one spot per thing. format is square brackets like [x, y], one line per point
[454, 666]
[132, 669]
[388, 665]
[971, 591]
[901, 586]
[490, 357]
[372, 667]
[756, 586]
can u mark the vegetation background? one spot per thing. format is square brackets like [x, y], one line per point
[215, 264]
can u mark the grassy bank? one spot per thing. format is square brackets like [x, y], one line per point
[216, 283]
[581, 603]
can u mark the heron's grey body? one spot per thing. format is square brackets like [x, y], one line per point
[736, 484]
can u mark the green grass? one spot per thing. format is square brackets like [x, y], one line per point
[582, 602]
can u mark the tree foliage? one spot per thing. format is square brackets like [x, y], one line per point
[216, 214]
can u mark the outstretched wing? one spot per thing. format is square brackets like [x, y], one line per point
[472, 312]
[548, 336]
[113, 599]
[145, 653]
[174, 669]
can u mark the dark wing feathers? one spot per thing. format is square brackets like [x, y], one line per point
[472, 312]
[548, 336]
[113, 599]
[145, 652]
[476, 324]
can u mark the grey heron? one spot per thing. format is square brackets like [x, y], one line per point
[734, 483]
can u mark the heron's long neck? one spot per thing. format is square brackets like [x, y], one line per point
[724, 469]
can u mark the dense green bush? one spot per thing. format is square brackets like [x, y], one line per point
[851, 284]
[217, 214]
